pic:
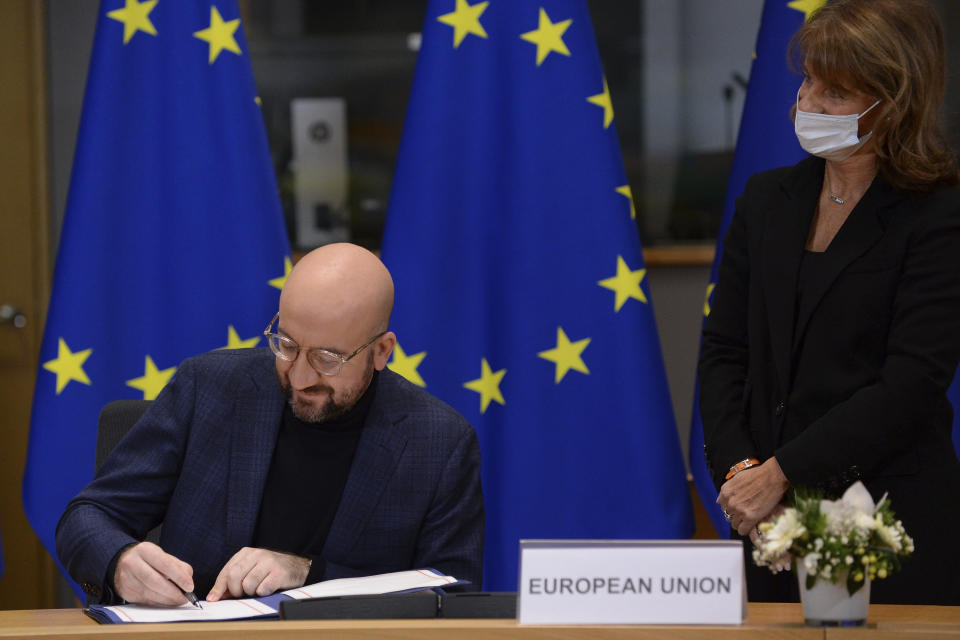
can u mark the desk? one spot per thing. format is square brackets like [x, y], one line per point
[765, 621]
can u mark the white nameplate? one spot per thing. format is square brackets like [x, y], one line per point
[631, 582]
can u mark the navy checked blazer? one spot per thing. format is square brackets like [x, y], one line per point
[198, 459]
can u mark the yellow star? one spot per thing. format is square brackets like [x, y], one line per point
[625, 191]
[487, 385]
[566, 355]
[706, 301]
[234, 341]
[135, 16]
[406, 365]
[219, 35]
[258, 101]
[152, 381]
[68, 365]
[626, 284]
[806, 7]
[279, 281]
[465, 19]
[547, 37]
[603, 100]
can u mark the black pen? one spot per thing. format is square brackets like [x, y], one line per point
[189, 595]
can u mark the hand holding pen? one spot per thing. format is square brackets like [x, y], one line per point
[146, 574]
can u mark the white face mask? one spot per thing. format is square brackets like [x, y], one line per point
[827, 136]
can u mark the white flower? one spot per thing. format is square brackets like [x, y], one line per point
[890, 536]
[858, 498]
[785, 530]
[810, 562]
[836, 515]
[851, 513]
[865, 524]
[818, 544]
[776, 563]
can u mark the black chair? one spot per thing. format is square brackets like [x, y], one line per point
[116, 418]
[115, 421]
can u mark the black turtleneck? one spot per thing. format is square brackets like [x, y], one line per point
[311, 462]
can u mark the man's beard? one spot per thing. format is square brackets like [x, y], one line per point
[333, 408]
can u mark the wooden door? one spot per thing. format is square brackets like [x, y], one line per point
[28, 580]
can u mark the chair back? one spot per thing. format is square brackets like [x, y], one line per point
[116, 418]
[115, 421]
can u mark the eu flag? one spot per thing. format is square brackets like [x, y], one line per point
[522, 298]
[954, 395]
[766, 140]
[173, 241]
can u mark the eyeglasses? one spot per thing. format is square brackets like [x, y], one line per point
[323, 362]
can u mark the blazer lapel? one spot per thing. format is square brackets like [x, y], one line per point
[378, 452]
[862, 229]
[783, 241]
[255, 422]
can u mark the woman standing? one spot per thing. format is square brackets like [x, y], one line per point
[834, 331]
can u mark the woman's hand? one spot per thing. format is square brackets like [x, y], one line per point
[752, 494]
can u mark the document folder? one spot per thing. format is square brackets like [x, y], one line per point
[421, 604]
[478, 605]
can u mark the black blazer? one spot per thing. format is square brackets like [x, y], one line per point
[856, 387]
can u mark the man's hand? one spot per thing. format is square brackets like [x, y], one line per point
[752, 494]
[144, 573]
[259, 572]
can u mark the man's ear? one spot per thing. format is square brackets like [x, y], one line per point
[382, 349]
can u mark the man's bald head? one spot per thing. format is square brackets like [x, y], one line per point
[340, 282]
[338, 298]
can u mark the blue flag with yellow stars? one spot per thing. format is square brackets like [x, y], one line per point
[766, 140]
[521, 293]
[173, 241]
[954, 395]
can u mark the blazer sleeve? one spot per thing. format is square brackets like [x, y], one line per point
[878, 421]
[129, 495]
[451, 537]
[722, 368]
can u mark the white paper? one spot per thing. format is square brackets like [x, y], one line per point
[371, 585]
[222, 610]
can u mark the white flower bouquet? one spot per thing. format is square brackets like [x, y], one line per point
[842, 540]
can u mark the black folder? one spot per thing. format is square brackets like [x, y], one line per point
[419, 604]
[478, 605]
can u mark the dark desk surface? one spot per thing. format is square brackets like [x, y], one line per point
[774, 621]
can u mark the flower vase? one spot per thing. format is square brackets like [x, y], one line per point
[830, 605]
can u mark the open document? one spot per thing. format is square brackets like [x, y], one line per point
[268, 606]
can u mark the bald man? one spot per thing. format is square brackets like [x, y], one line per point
[274, 468]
